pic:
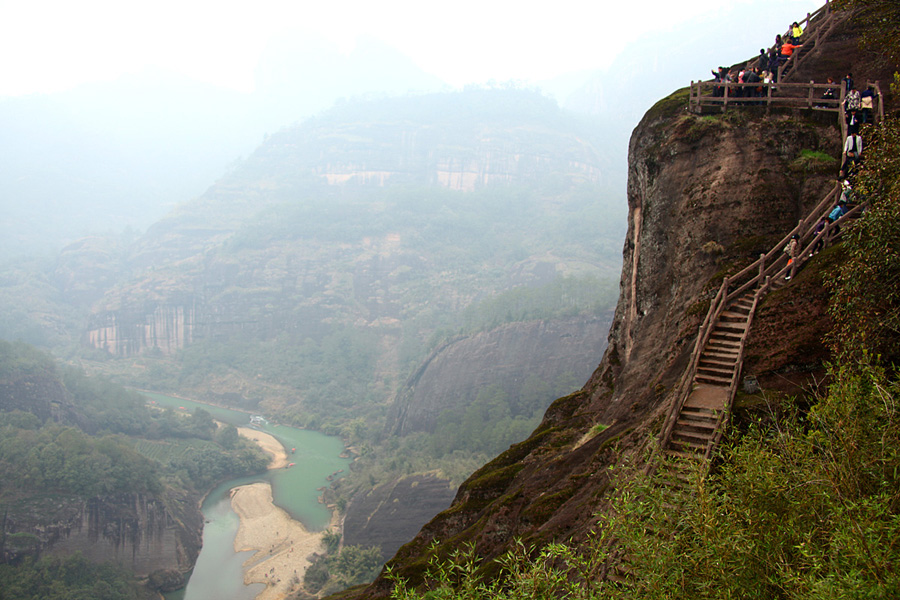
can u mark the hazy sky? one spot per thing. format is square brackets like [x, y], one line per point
[52, 45]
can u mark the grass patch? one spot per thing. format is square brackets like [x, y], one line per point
[670, 106]
[814, 161]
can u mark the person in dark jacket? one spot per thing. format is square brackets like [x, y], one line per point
[848, 83]
[763, 60]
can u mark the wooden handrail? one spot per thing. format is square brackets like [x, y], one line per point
[725, 415]
[767, 266]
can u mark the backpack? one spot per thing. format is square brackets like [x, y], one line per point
[836, 214]
[854, 102]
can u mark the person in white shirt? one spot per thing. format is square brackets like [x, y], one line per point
[853, 147]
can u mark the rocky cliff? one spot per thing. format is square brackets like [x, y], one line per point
[706, 195]
[141, 532]
[506, 356]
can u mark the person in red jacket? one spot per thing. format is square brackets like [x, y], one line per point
[787, 49]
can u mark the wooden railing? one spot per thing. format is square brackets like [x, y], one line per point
[826, 21]
[789, 95]
[817, 26]
[759, 275]
[795, 95]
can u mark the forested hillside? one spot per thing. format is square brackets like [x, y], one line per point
[319, 274]
[345, 276]
[73, 445]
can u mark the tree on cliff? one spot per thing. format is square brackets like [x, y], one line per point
[866, 306]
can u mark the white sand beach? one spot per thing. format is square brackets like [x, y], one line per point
[282, 546]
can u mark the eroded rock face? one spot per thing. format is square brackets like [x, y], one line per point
[729, 180]
[139, 531]
[389, 515]
[506, 356]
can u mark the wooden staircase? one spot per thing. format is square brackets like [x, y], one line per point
[703, 402]
[818, 27]
[718, 366]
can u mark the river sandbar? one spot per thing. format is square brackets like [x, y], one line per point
[269, 444]
[283, 547]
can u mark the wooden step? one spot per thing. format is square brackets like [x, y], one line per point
[720, 344]
[716, 371]
[707, 418]
[700, 440]
[713, 379]
[679, 454]
[685, 446]
[720, 333]
[736, 329]
[730, 316]
[704, 424]
[720, 353]
[717, 362]
[705, 397]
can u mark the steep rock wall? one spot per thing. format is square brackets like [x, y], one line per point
[507, 356]
[388, 515]
[141, 532]
[166, 328]
[706, 196]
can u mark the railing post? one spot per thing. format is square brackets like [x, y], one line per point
[810, 98]
[769, 98]
[880, 102]
[725, 97]
[762, 265]
[842, 122]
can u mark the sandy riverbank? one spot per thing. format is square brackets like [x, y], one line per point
[283, 547]
[269, 444]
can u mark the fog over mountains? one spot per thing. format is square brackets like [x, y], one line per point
[104, 157]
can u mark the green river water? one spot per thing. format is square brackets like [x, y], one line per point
[218, 574]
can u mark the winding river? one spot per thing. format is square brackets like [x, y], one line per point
[218, 573]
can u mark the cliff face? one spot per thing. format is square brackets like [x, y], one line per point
[706, 196]
[167, 328]
[507, 356]
[141, 532]
[389, 515]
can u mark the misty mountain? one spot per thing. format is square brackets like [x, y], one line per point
[343, 250]
[107, 156]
